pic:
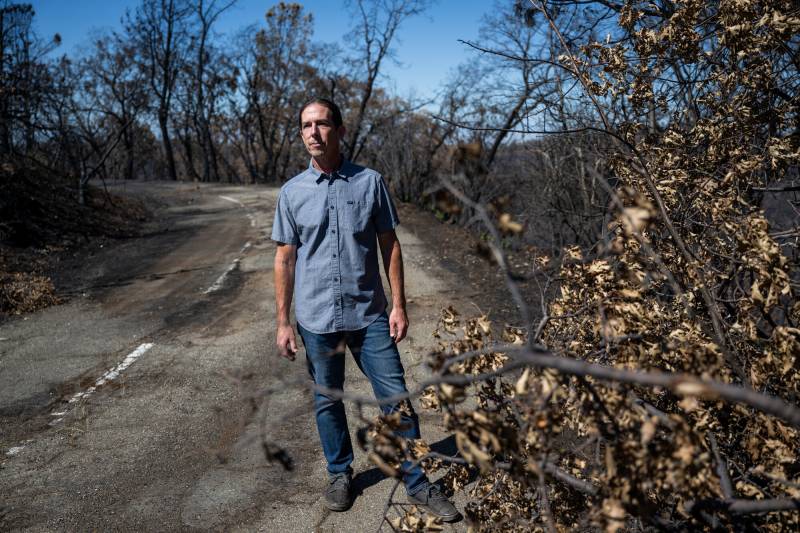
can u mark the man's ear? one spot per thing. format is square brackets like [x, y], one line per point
[341, 131]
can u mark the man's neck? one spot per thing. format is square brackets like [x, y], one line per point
[327, 167]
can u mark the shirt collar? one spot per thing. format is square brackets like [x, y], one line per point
[345, 171]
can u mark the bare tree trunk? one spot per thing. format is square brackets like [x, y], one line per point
[169, 153]
[160, 27]
[27, 111]
[200, 119]
[5, 131]
[511, 119]
[128, 143]
[207, 18]
[129, 161]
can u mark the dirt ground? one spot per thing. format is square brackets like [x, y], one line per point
[144, 400]
[459, 251]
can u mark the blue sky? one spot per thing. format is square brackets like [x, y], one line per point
[428, 47]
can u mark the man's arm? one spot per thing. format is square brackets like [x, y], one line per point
[285, 258]
[393, 264]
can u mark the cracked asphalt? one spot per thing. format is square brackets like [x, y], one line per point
[175, 441]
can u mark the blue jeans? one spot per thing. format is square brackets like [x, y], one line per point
[376, 355]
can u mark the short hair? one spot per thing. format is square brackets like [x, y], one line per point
[324, 102]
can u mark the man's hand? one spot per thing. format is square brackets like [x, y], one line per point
[398, 324]
[287, 344]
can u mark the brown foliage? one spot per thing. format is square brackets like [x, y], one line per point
[688, 280]
[25, 293]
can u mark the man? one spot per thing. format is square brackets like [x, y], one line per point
[327, 223]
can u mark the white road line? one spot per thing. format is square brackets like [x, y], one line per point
[221, 279]
[111, 375]
[234, 200]
[249, 215]
[14, 450]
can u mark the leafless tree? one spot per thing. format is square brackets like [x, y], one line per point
[277, 70]
[118, 88]
[207, 15]
[24, 77]
[378, 25]
[160, 31]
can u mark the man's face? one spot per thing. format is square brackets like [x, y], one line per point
[320, 134]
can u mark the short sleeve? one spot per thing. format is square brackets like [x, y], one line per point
[385, 213]
[284, 228]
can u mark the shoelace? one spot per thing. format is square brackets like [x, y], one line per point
[433, 493]
[339, 481]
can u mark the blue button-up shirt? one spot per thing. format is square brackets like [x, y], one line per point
[334, 221]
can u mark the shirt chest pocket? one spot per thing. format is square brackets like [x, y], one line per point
[355, 215]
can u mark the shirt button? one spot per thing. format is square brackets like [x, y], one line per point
[331, 207]
[333, 231]
[336, 279]
[334, 255]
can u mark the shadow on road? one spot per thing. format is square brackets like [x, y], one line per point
[364, 480]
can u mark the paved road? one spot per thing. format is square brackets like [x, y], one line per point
[141, 404]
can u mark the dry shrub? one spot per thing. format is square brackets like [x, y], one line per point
[24, 293]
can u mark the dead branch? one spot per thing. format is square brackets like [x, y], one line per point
[721, 468]
[745, 507]
[535, 61]
[684, 385]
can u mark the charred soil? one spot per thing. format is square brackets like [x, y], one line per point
[465, 254]
[46, 234]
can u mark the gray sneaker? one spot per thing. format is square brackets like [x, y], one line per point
[337, 495]
[436, 503]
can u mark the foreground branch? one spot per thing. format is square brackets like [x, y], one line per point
[680, 384]
[742, 507]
